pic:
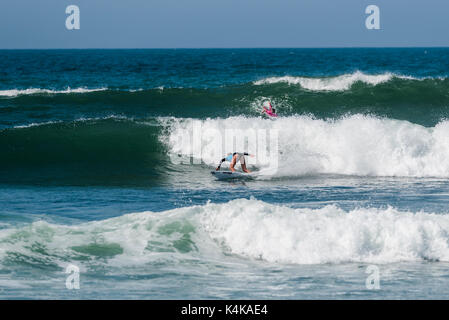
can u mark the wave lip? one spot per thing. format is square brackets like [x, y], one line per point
[338, 83]
[33, 91]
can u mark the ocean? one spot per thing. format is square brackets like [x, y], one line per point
[105, 160]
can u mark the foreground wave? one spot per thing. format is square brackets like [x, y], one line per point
[249, 229]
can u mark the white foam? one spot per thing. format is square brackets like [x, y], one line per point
[354, 145]
[35, 124]
[31, 91]
[338, 83]
[329, 235]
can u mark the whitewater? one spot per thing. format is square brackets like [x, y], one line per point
[352, 145]
[251, 229]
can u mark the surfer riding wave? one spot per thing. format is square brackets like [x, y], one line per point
[234, 158]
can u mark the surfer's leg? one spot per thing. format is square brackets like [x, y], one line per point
[243, 163]
[233, 162]
[244, 168]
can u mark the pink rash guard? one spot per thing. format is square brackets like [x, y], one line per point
[269, 111]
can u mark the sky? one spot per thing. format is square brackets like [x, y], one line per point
[31, 24]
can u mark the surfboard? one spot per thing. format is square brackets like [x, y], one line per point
[223, 175]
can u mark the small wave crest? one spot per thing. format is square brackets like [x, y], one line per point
[33, 91]
[338, 83]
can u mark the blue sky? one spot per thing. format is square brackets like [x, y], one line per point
[221, 24]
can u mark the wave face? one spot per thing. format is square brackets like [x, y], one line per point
[111, 150]
[354, 145]
[250, 229]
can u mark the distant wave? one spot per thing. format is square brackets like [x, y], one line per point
[325, 83]
[338, 83]
[40, 91]
[74, 122]
[419, 100]
[32, 91]
[252, 229]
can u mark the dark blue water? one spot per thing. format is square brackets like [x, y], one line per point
[100, 169]
[205, 68]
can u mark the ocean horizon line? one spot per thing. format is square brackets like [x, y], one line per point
[232, 48]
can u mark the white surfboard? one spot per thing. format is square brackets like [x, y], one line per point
[223, 175]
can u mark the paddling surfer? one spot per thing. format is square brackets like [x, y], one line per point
[268, 109]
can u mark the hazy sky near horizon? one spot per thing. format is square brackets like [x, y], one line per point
[219, 24]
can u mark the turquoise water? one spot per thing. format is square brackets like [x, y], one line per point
[87, 175]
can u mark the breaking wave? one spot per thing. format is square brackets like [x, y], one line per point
[353, 145]
[250, 229]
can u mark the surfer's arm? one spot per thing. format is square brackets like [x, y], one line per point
[219, 165]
